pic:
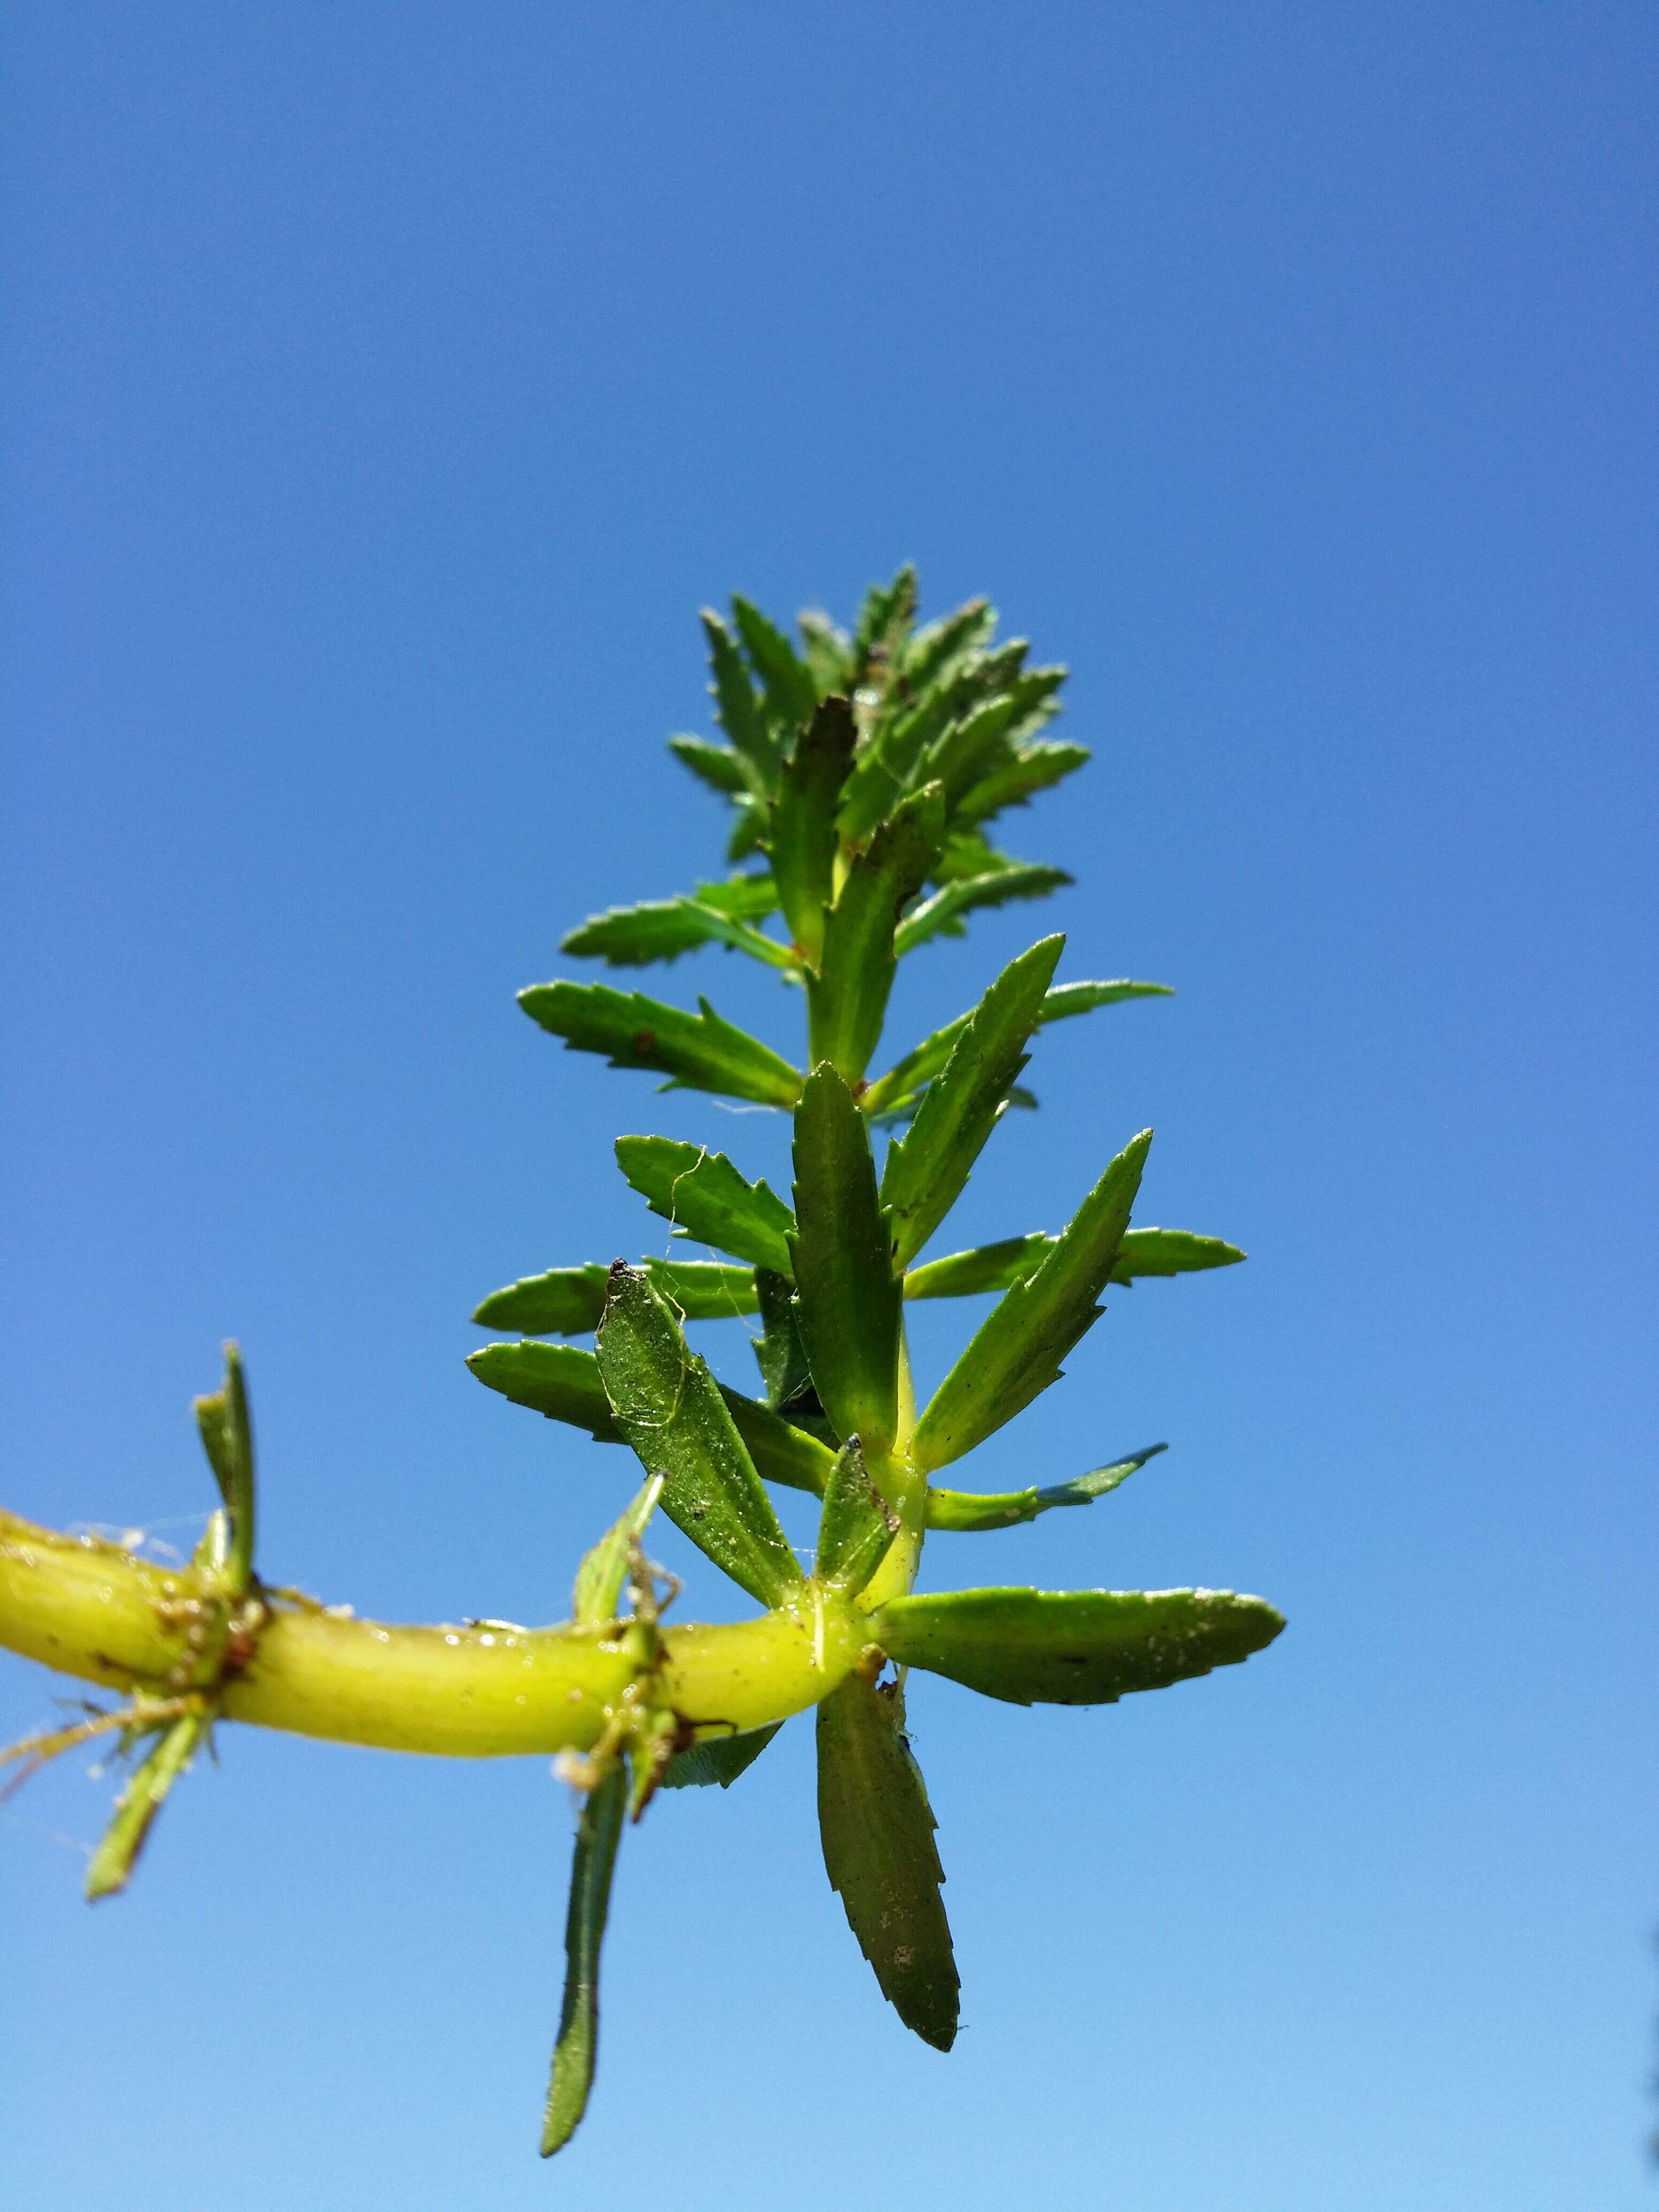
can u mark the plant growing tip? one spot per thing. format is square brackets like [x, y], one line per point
[863, 770]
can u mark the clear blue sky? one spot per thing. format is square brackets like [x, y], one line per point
[384, 389]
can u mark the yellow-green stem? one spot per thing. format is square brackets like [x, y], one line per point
[91, 1609]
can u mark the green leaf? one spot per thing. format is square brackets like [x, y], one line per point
[696, 1052]
[708, 1201]
[662, 929]
[779, 1351]
[603, 1570]
[1016, 1351]
[923, 1061]
[748, 831]
[568, 1301]
[932, 650]
[886, 767]
[791, 694]
[1074, 1647]
[558, 1380]
[879, 1852]
[856, 1526]
[925, 1172]
[995, 1267]
[970, 746]
[886, 618]
[968, 1509]
[829, 652]
[737, 709]
[804, 823]
[781, 1452]
[563, 1383]
[1034, 768]
[847, 1000]
[590, 1872]
[111, 1864]
[938, 912]
[719, 1759]
[720, 767]
[226, 1430]
[670, 1408]
[850, 1303]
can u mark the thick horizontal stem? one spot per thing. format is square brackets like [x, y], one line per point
[89, 1609]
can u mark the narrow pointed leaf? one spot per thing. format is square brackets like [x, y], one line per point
[953, 900]
[720, 767]
[878, 1828]
[603, 1570]
[708, 1201]
[737, 709]
[113, 1863]
[849, 1302]
[933, 650]
[717, 1758]
[847, 1000]
[568, 1301]
[226, 1430]
[748, 833]
[885, 769]
[828, 651]
[669, 1406]
[592, 1869]
[662, 929]
[791, 694]
[697, 1052]
[559, 1381]
[924, 1060]
[994, 1267]
[1016, 1351]
[779, 1351]
[1074, 1647]
[803, 841]
[977, 1511]
[925, 1171]
[1034, 768]
[970, 746]
[886, 618]
[856, 1526]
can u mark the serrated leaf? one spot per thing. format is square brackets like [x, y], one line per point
[850, 1303]
[1036, 768]
[663, 929]
[568, 1301]
[856, 1526]
[803, 841]
[828, 650]
[970, 746]
[886, 767]
[696, 1052]
[923, 1061]
[1143, 1252]
[878, 1829]
[559, 1381]
[954, 900]
[720, 767]
[603, 1570]
[978, 1510]
[735, 707]
[1016, 1351]
[1074, 1647]
[790, 692]
[717, 1758]
[708, 1201]
[925, 1171]
[932, 650]
[670, 1408]
[886, 615]
[847, 1000]
[593, 1866]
